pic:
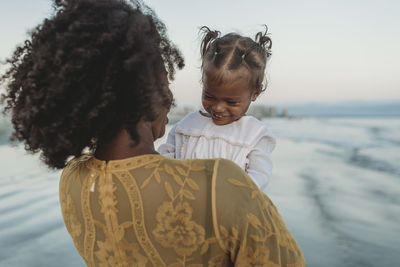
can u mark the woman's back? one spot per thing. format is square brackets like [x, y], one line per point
[153, 211]
[94, 76]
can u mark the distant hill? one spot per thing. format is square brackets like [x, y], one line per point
[346, 109]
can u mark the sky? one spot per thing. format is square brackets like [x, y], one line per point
[323, 51]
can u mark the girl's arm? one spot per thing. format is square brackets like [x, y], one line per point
[168, 149]
[259, 161]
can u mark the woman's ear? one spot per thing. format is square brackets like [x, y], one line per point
[254, 96]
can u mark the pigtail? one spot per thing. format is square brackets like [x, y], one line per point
[264, 41]
[208, 37]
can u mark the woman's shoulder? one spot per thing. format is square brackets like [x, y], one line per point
[245, 217]
[235, 182]
[74, 167]
[192, 165]
[77, 175]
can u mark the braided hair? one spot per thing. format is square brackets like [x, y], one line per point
[93, 68]
[233, 51]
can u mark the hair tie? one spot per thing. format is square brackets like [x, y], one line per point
[243, 56]
[215, 53]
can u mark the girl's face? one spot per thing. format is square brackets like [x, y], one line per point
[228, 101]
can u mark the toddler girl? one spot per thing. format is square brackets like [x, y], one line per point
[233, 70]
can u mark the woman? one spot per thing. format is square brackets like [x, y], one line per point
[94, 77]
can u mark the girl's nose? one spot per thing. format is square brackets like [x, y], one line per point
[219, 107]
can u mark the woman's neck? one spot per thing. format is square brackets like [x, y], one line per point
[122, 146]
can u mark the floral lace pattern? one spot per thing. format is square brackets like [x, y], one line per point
[176, 229]
[187, 223]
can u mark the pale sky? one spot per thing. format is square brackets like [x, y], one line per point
[323, 50]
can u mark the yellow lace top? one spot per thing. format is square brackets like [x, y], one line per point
[154, 211]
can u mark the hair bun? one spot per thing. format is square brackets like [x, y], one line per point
[208, 36]
[264, 40]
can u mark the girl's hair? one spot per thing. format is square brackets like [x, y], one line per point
[92, 69]
[233, 51]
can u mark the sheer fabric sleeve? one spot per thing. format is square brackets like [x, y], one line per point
[248, 225]
[260, 162]
[70, 201]
[168, 149]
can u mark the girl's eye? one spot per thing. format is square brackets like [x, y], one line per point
[232, 103]
[208, 97]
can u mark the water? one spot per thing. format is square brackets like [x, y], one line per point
[335, 182]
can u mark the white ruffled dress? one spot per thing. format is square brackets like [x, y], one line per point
[247, 142]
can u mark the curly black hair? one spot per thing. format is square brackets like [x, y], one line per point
[232, 51]
[93, 68]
